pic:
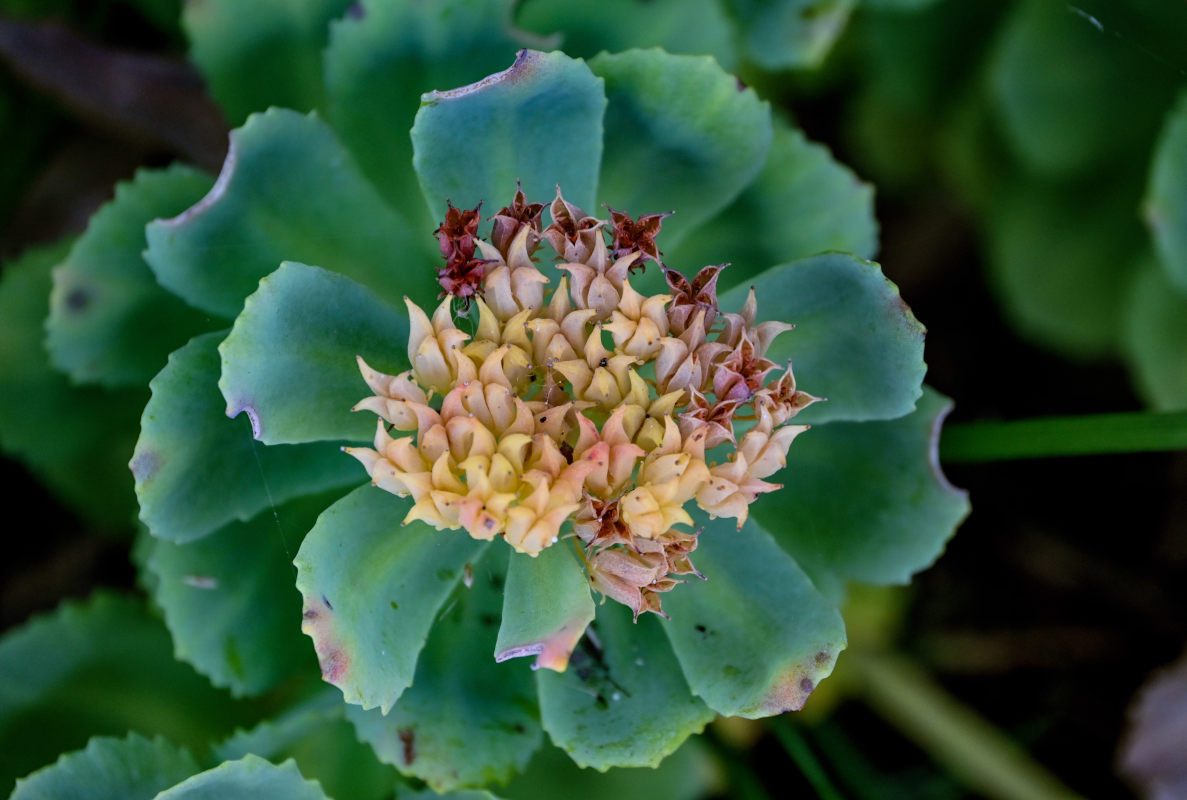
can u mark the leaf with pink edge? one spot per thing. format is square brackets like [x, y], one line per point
[546, 608]
[465, 721]
[756, 637]
[372, 590]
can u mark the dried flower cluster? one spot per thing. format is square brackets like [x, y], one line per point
[593, 404]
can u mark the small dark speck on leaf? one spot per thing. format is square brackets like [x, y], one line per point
[807, 685]
[78, 299]
[326, 600]
[356, 10]
[408, 738]
[821, 657]
[395, 606]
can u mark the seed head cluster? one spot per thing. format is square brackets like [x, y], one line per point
[590, 410]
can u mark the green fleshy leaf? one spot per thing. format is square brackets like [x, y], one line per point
[383, 58]
[741, 650]
[465, 794]
[866, 501]
[1060, 257]
[616, 25]
[1066, 91]
[289, 362]
[132, 768]
[110, 322]
[100, 667]
[539, 122]
[249, 778]
[228, 598]
[288, 190]
[898, 5]
[1155, 339]
[687, 774]
[317, 735]
[263, 53]
[803, 202]
[1166, 198]
[465, 721]
[372, 590]
[681, 134]
[855, 341]
[546, 608]
[622, 702]
[783, 34]
[196, 470]
[62, 432]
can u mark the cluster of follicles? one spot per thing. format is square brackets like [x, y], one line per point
[552, 401]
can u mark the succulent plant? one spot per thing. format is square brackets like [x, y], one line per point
[312, 255]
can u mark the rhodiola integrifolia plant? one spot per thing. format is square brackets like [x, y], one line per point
[576, 404]
[620, 416]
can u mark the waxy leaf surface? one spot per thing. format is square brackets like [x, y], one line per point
[681, 135]
[687, 774]
[1062, 118]
[616, 25]
[1166, 199]
[465, 721]
[866, 501]
[317, 735]
[1155, 339]
[263, 53]
[196, 470]
[289, 361]
[228, 598]
[855, 341]
[132, 768]
[372, 591]
[803, 202]
[110, 322]
[546, 607]
[781, 34]
[756, 637]
[249, 778]
[538, 122]
[1062, 259]
[622, 702]
[288, 190]
[105, 666]
[61, 431]
[382, 59]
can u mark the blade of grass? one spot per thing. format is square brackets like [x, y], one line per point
[797, 747]
[1093, 434]
[951, 733]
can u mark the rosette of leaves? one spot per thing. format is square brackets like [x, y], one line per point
[294, 262]
[1062, 131]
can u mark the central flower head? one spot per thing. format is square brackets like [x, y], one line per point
[593, 404]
